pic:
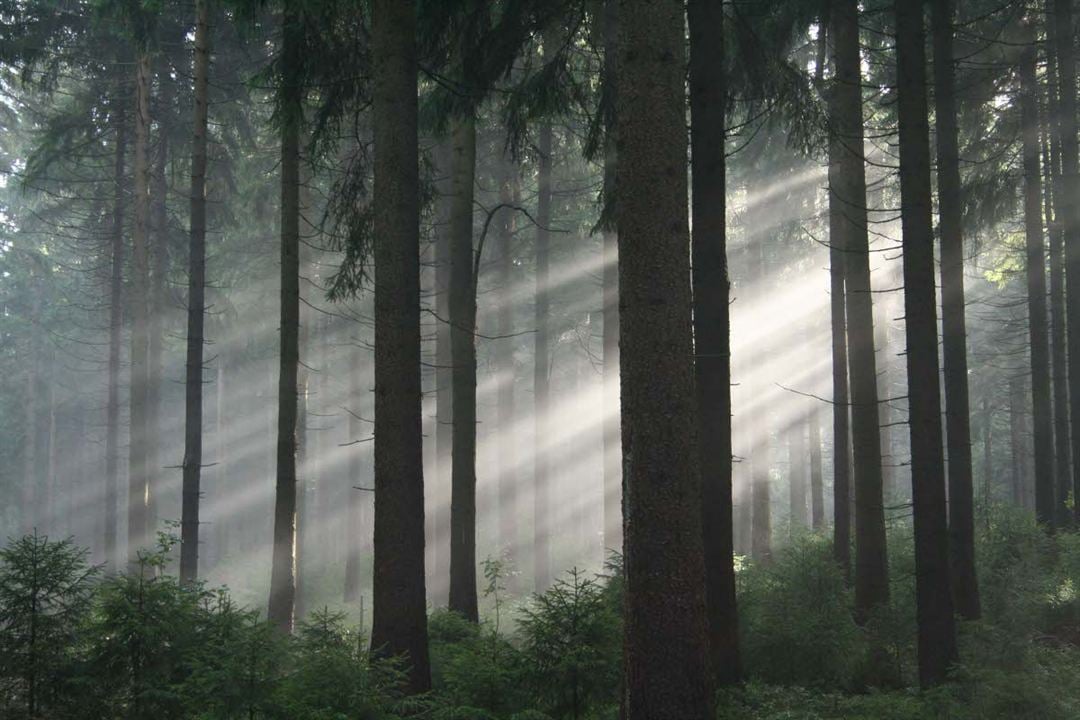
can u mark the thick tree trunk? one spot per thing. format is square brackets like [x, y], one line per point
[138, 461]
[665, 624]
[399, 623]
[542, 370]
[1068, 213]
[712, 330]
[933, 591]
[283, 565]
[1038, 332]
[847, 189]
[463, 597]
[954, 329]
[196, 306]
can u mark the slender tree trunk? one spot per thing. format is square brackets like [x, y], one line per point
[283, 565]
[933, 591]
[542, 370]
[28, 500]
[610, 371]
[356, 434]
[444, 385]
[757, 415]
[954, 330]
[463, 355]
[665, 622]
[817, 491]
[1068, 213]
[1038, 332]
[504, 361]
[399, 623]
[797, 475]
[301, 564]
[138, 461]
[847, 188]
[196, 310]
[712, 330]
[1017, 430]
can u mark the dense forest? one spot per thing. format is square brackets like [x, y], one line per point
[539, 359]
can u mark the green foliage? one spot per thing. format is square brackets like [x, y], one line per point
[473, 667]
[796, 618]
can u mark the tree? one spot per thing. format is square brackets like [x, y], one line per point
[953, 324]
[712, 329]
[665, 623]
[933, 591]
[193, 395]
[399, 623]
[542, 479]
[847, 188]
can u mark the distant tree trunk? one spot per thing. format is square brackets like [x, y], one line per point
[1017, 430]
[463, 354]
[283, 566]
[1068, 213]
[933, 592]
[712, 330]
[1038, 332]
[847, 188]
[221, 528]
[542, 370]
[665, 623]
[817, 492]
[444, 385]
[610, 392]
[399, 623]
[504, 360]
[797, 474]
[301, 565]
[954, 330]
[138, 461]
[118, 120]
[988, 449]
[356, 434]
[757, 413]
[196, 308]
[28, 499]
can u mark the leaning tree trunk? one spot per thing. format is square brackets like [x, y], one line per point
[665, 623]
[196, 306]
[933, 593]
[1068, 213]
[399, 623]
[1038, 332]
[712, 330]
[463, 597]
[954, 330]
[138, 465]
[542, 432]
[283, 567]
[847, 188]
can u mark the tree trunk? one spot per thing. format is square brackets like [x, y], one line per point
[1017, 430]
[797, 475]
[444, 385]
[356, 434]
[954, 331]
[504, 361]
[933, 593]
[283, 565]
[665, 624]
[1038, 332]
[463, 356]
[817, 492]
[196, 307]
[847, 189]
[138, 461]
[399, 623]
[542, 370]
[712, 330]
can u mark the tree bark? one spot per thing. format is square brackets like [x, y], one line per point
[847, 188]
[1038, 332]
[444, 385]
[712, 330]
[817, 493]
[504, 360]
[283, 563]
[954, 331]
[933, 593]
[399, 623]
[542, 370]
[196, 309]
[665, 625]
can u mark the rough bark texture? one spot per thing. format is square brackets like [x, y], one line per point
[1038, 332]
[193, 390]
[1068, 213]
[933, 593]
[463, 597]
[953, 326]
[665, 649]
[399, 623]
[283, 562]
[116, 326]
[444, 385]
[712, 330]
[847, 188]
[541, 370]
[138, 465]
